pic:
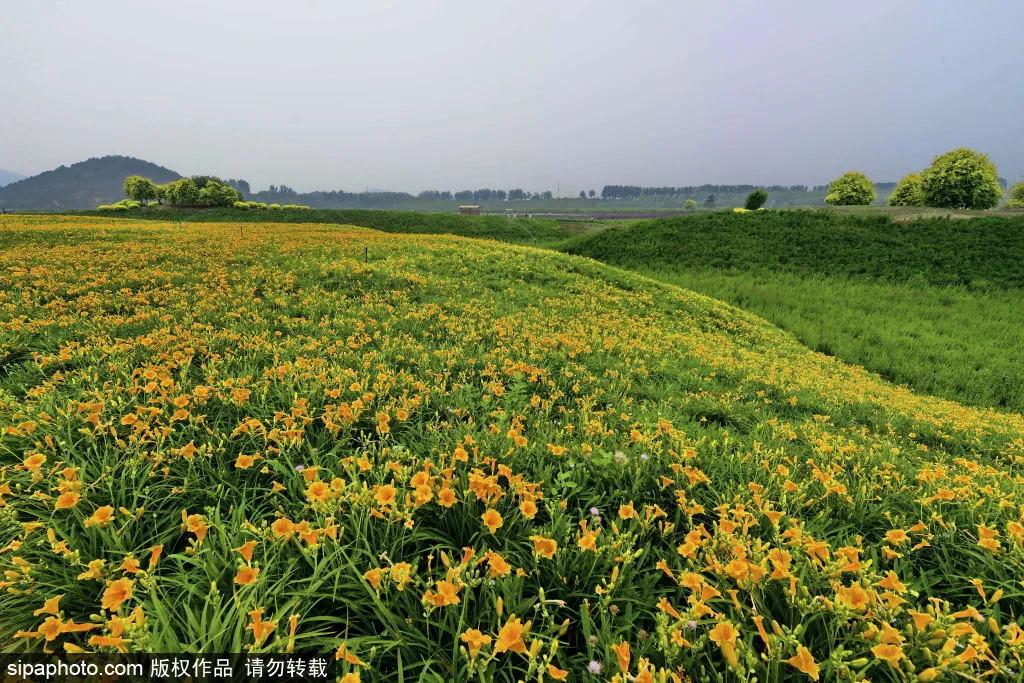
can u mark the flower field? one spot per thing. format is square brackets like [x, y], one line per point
[448, 459]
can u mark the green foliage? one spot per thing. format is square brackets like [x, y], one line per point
[755, 200]
[851, 189]
[961, 179]
[519, 230]
[932, 305]
[199, 191]
[140, 189]
[1016, 196]
[939, 251]
[242, 205]
[908, 191]
[690, 204]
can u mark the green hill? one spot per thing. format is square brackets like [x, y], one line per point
[84, 185]
[933, 303]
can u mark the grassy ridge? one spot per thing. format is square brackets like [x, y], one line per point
[520, 230]
[982, 251]
[931, 303]
[217, 442]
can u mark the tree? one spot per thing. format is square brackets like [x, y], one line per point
[710, 202]
[592, 194]
[139, 189]
[961, 179]
[690, 204]
[908, 191]
[755, 200]
[851, 189]
[583, 195]
[1016, 196]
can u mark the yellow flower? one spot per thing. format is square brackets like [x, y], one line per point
[474, 640]
[50, 606]
[246, 550]
[101, 517]
[556, 673]
[492, 520]
[889, 653]
[386, 495]
[724, 635]
[68, 499]
[803, 661]
[543, 546]
[528, 509]
[510, 637]
[246, 575]
[117, 593]
[626, 511]
[318, 492]
[622, 654]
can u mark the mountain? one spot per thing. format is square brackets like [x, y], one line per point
[7, 177]
[80, 186]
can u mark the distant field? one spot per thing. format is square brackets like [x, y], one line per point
[520, 230]
[932, 303]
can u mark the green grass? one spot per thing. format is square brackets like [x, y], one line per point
[517, 230]
[948, 341]
[933, 303]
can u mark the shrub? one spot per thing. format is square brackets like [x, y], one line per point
[297, 207]
[690, 204]
[241, 205]
[755, 200]
[908, 191]
[274, 206]
[961, 179]
[850, 189]
[140, 189]
[105, 207]
[1016, 196]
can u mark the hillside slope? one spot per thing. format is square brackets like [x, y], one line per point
[931, 303]
[395, 458]
[83, 185]
[987, 250]
[505, 229]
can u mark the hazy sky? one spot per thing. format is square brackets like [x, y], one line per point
[416, 95]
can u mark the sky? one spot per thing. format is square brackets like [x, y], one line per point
[540, 95]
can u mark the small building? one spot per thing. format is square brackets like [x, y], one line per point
[470, 209]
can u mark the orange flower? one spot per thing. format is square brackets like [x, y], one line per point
[260, 629]
[318, 492]
[244, 462]
[492, 520]
[889, 653]
[556, 673]
[446, 497]
[724, 635]
[626, 511]
[68, 499]
[474, 640]
[528, 509]
[386, 495]
[50, 606]
[447, 594]
[246, 575]
[803, 661]
[510, 637]
[246, 550]
[622, 654]
[283, 527]
[117, 593]
[498, 565]
[101, 517]
[543, 546]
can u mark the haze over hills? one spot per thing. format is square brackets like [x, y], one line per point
[100, 180]
[7, 177]
[80, 186]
